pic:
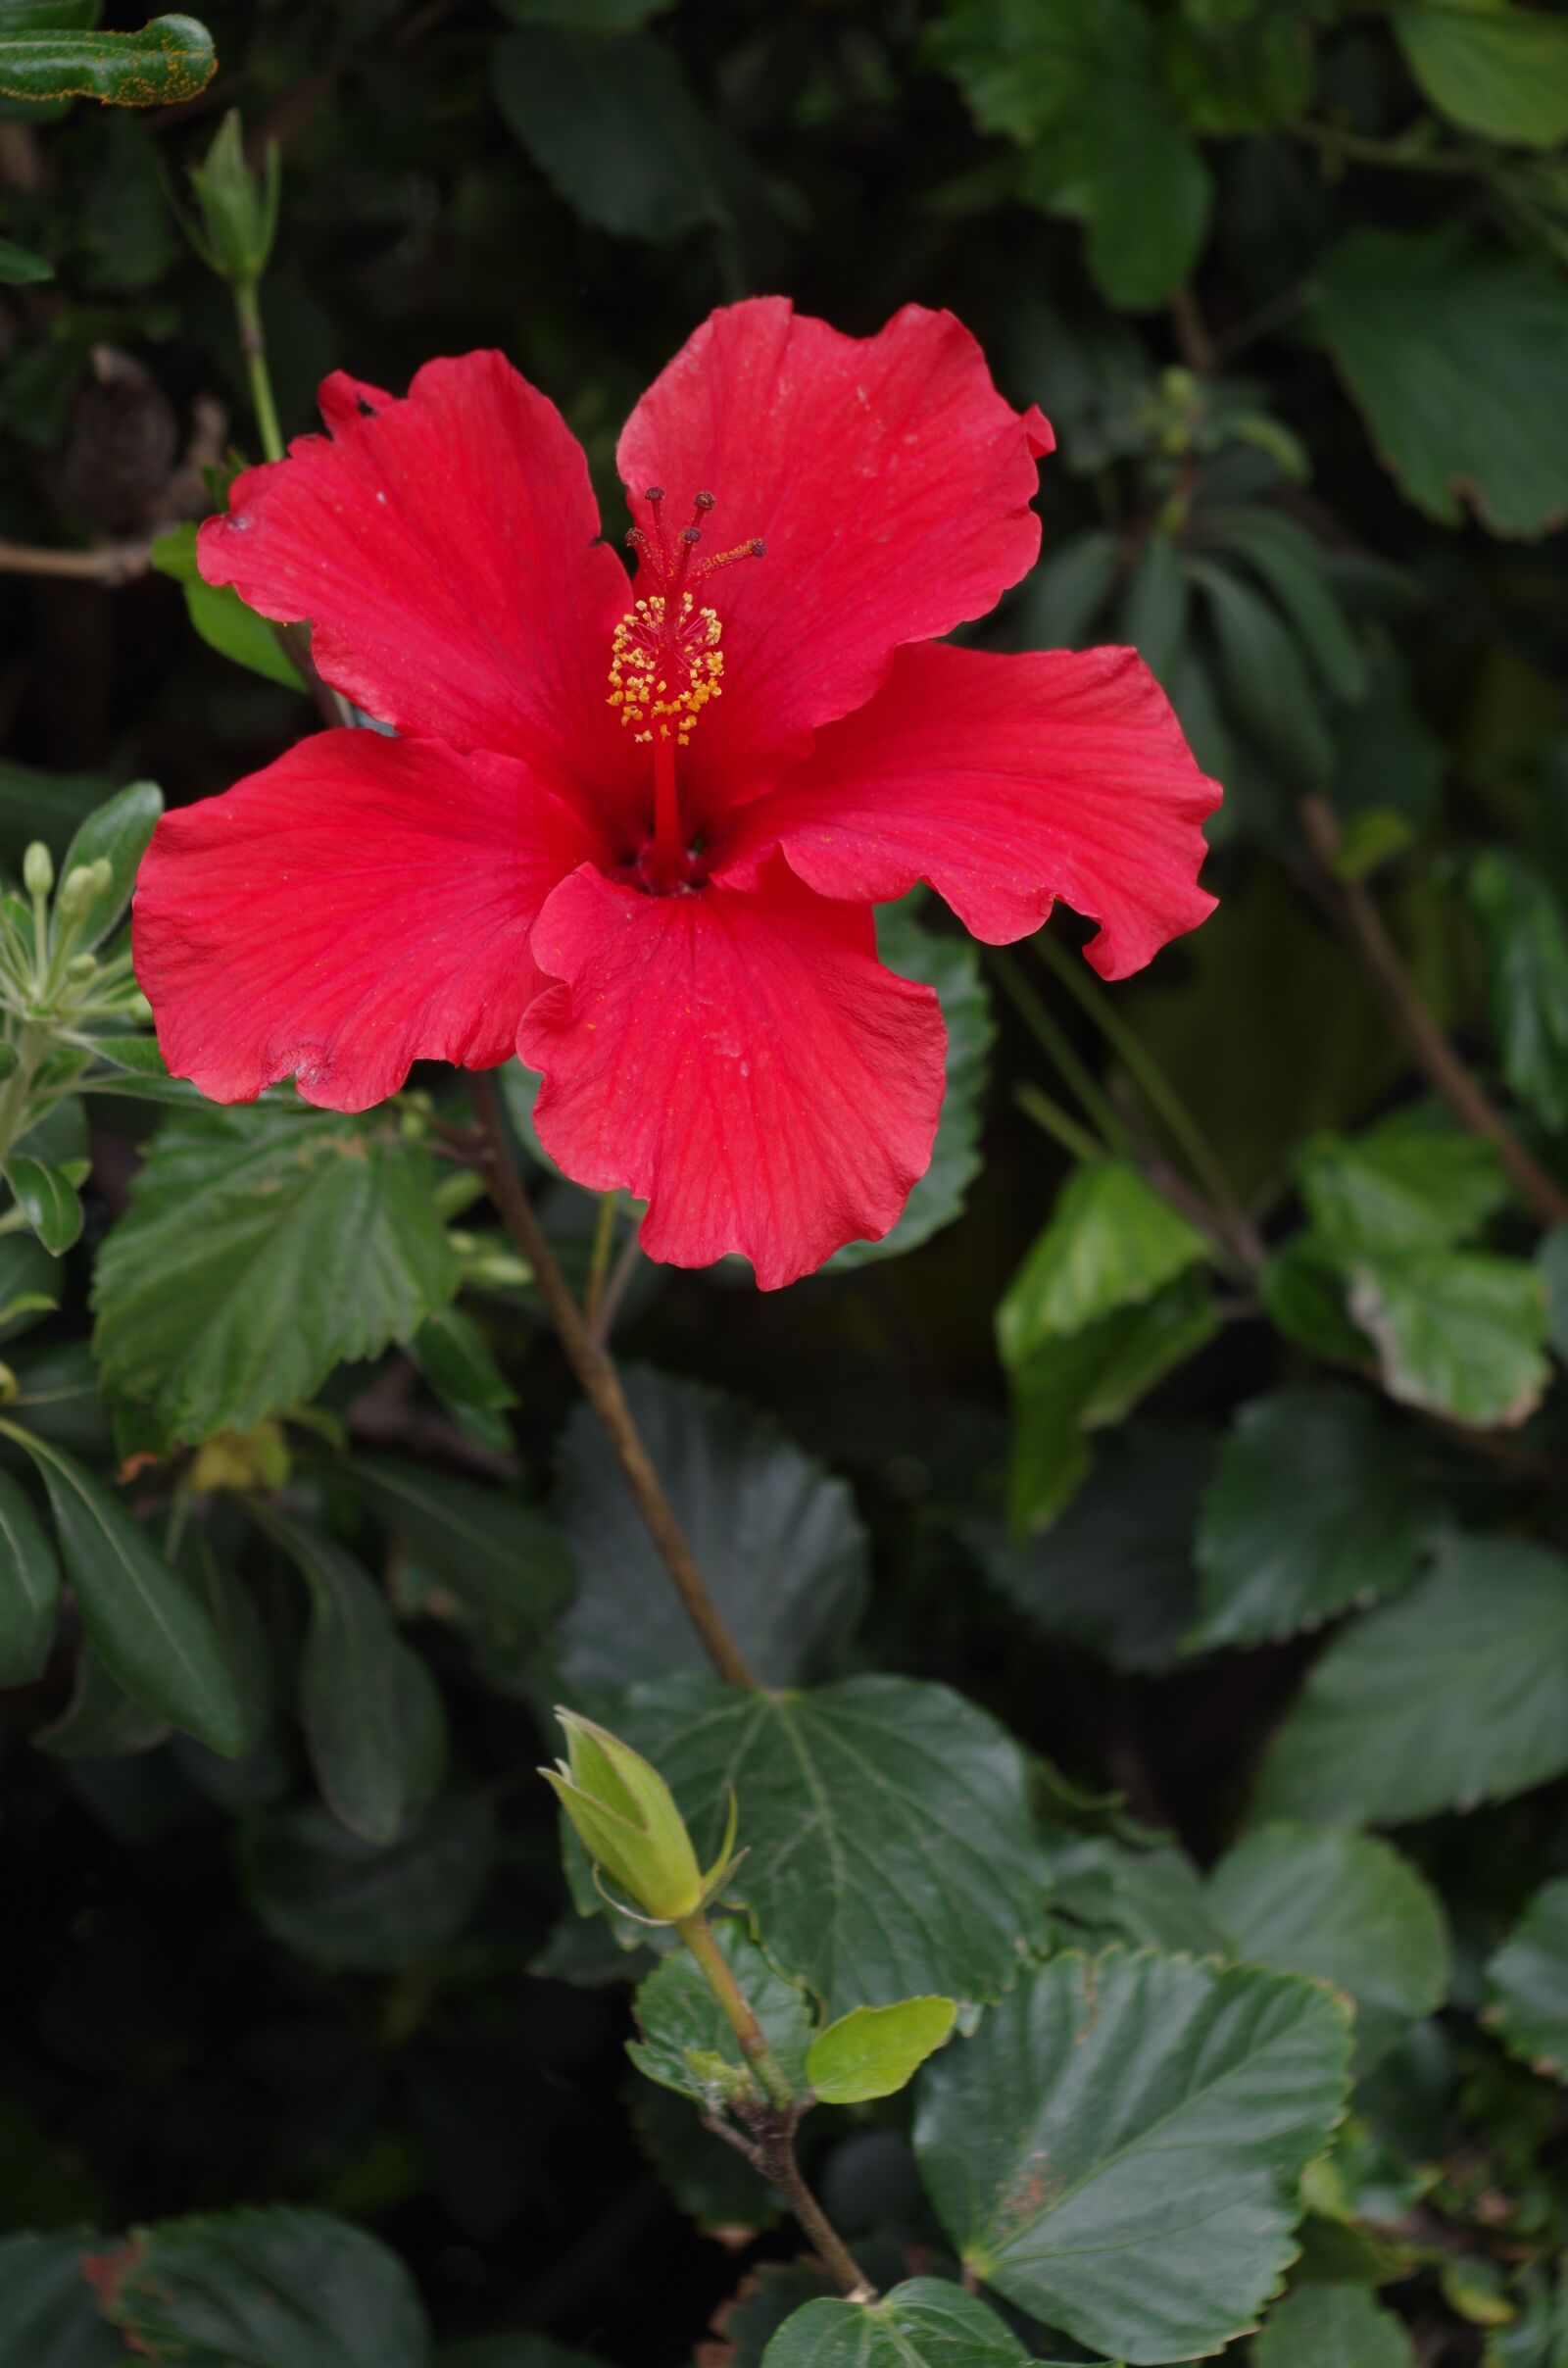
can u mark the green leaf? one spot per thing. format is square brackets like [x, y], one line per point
[352, 1682]
[925, 2323]
[1267, 688]
[137, 1075]
[496, 1555]
[1457, 356]
[47, 1198]
[1111, 1241]
[1414, 1183]
[452, 1354]
[279, 2287]
[1457, 1333]
[1071, 1387]
[47, 2315]
[1291, 564]
[876, 2050]
[1116, 1571]
[952, 966]
[613, 126]
[1528, 954]
[117, 834]
[513, 2351]
[156, 1640]
[261, 1249]
[687, 2045]
[341, 1901]
[99, 1722]
[1117, 2148]
[1332, 2327]
[31, 1284]
[777, 1537]
[169, 59]
[18, 266]
[1454, 1695]
[1345, 1909]
[1111, 1889]
[221, 617]
[1156, 607]
[29, 1587]
[1490, 66]
[1527, 1983]
[1318, 1503]
[885, 1821]
[1060, 600]
[1551, 1265]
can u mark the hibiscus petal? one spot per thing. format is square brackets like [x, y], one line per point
[889, 481]
[444, 549]
[1005, 782]
[361, 905]
[741, 1061]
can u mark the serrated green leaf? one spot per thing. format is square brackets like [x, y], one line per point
[1528, 952]
[48, 2318]
[261, 1248]
[777, 1537]
[1317, 1503]
[1527, 1983]
[1457, 1332]
[885, 1822]
[341, 1901]
[1457, 356]
[876, 2050]
[1345, 1909]
[1332, 2327]
[47, 1200]
[1111, 1241]
[1490, 66]
[952, 966]
[1117, 2148]
[119, 834]
[29, 1587]
[281, 2288]
[156, 1641]
[1455, 1693]
[925, 2323]
[678, 2016]
[1415, 1182]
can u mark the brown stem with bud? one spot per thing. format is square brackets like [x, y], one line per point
[601, 1385]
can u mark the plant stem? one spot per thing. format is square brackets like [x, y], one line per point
[253, 345]
[698, 1936]
[1332, 142]
[614, 1291]
[773, 2127]
[1144, 1071]
[1053, 1039]
[1053, 1119]
[1425, 1042]
[601, 1385]
[599, 1263]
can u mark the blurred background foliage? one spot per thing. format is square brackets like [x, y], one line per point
[1233, 1307]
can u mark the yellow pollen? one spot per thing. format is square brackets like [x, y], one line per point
[665, 666]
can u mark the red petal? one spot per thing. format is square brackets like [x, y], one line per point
[741, 1061]
[888, 478]
[444, 550]
[1005, 782]
[361, 905]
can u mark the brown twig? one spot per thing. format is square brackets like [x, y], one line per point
[1425, 1042]
[106, 563]
[601, 1385]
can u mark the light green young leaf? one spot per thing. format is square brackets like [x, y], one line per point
[1527, 1983]
[1117, 2149]
[1417, 1182]
[1457, 1332]
[1455, 1693]
[221, 617]
[1111, 1241]
[876, 2050]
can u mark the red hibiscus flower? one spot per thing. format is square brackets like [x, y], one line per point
[634, 832]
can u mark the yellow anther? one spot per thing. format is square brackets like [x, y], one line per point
[665, 666]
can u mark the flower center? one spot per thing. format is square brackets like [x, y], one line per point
[665, 664]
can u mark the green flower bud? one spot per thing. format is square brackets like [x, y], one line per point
[627, 1821]
[80, 969]
[37, 869]
[238, 207]
[80, 885]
